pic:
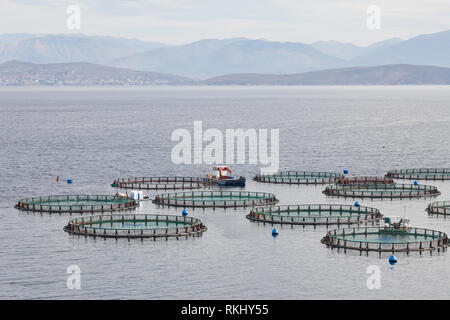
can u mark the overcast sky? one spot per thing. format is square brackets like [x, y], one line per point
[182, 21]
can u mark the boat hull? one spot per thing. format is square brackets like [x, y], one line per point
[239, 182]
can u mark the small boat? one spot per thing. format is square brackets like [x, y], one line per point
[393, 224]
[222, 177]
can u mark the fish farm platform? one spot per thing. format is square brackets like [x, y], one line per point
[439, 208]
[380, 239]
[382, 191]
[299, 177]
[162, 183]
[215, 199]
[314, 214]
[82, 204]
[420, 174]
[364, 180]
[136, 226]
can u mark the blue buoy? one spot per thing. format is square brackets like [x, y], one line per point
[392, 260]
[346, 171]
[416, 183]
[275, 232]
[357, 204]
[69, 181]
[184, 212]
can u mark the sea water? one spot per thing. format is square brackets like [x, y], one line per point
[96, 135]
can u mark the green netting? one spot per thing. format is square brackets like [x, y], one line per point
[298, 177]
[213, 199]
[161, 183]
[136, 226]
[386, 239]
[314, 214]
[364, 180]
[378, 190]
[420, 174]
[77, 204]
[439, 207]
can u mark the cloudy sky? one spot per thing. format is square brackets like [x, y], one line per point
[182, 21]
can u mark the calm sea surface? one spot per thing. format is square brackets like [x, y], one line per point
[96, 135]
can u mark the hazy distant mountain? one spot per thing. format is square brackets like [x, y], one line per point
[16, 73]
[345, 51]
[68, 48]
[430, 49]
[208, 58]
[348, 51]
[383, 44]
[380, 75]
[184, 59]
[213, 57]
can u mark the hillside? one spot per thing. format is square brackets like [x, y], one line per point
[380, 75]
[16, 73]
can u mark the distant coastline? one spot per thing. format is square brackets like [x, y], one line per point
[16, 73]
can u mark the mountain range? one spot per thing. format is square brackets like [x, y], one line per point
[69, 48]
[349, 51]
[211, 58]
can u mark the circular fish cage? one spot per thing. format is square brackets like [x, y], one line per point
[314, 214]
[382, 239]
[82, 204]
[420, 174]
[364, 180]
[161, 183]
[216, 199]
[136, 226]
[382, 191]
[298, 177]
[439, 208]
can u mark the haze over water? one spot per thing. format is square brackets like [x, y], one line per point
[95, 135]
